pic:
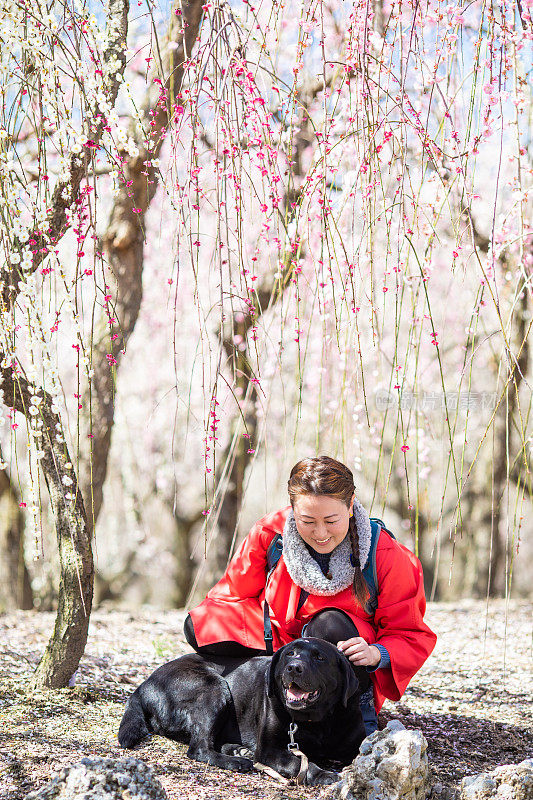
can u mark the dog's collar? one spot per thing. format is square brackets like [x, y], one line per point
[304, 570]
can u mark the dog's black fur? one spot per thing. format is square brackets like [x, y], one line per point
[215, 704]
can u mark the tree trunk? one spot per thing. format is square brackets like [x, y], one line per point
[505, 428]
[238, 453]
[420, 523]
[182, 552]
[490, 495]
[242, 441]
[66, 646]
[111, 587]
[15, 586]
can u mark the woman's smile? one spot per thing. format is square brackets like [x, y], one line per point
[322, 521]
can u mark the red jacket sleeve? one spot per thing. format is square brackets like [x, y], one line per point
[399, 617]
[232, 610]
[245, 575]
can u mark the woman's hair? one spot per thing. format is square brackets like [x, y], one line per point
[327, 476]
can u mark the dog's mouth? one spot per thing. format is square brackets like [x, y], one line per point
[299, 698]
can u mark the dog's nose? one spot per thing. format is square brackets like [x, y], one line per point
[295, 668]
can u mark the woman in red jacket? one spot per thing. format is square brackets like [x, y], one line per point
[317, 587]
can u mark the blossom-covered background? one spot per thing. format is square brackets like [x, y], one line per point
[238, 233]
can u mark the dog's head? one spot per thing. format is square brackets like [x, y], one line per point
[310, 677]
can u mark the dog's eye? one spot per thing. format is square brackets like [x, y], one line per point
[319, 657]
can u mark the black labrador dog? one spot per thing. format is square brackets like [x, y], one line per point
[218, 704]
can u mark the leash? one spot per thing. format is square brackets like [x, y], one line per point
[271, 772]
[245, 752]
[293, 748]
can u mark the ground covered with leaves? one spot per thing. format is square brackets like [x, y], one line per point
[472, 699]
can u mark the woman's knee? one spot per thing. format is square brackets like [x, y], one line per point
[229, 649]
[331, 624]
[188, 630]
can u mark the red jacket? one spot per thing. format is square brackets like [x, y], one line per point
[233, 609]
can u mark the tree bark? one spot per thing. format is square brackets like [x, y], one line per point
[507, 458]
[504, 443]
[66, 646]
[182, 553]
[124, 250]
[15, 586]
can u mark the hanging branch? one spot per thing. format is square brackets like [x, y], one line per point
[124, 242]
[236, 457]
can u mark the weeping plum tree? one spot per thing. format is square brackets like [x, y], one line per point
[40, 47]
[40, 230]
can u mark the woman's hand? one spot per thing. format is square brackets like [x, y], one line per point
[359, 652]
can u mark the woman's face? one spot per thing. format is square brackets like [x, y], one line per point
[322, 521]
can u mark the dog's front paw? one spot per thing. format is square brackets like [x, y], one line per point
[235, 763]
[236, 750]
[321, 777]
[240, 764]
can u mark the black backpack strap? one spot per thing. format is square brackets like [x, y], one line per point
[274, 551]
[382, 525]
[267, 628]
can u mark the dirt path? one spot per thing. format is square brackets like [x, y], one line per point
[472, 699]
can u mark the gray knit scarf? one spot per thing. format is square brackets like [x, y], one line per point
[305, 571]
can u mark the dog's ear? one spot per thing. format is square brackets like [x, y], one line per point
[271, 672]
[351, 682]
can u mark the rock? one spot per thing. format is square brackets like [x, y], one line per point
[103, 779]
[391, 764]
[440, 792]
[510, 782]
